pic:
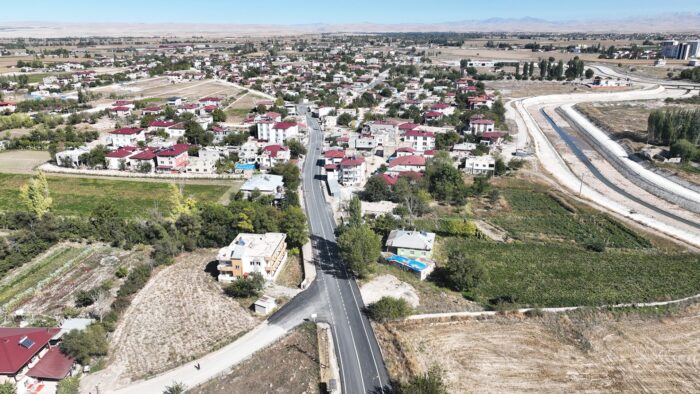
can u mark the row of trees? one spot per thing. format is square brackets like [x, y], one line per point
[670, 125]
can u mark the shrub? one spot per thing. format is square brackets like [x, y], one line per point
[429, 383]
[83, 345]
[70, 385]
[85, 298]
[246, 287]
[389, 308]
[122, 272]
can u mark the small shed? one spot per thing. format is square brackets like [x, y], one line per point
[265, 305]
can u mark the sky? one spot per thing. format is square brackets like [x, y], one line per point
[292, 12]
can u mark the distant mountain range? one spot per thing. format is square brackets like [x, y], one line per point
[667, 23]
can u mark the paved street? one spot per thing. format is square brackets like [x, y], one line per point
[361, 365]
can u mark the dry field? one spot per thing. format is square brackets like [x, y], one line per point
[238, 109]
[622, 120]
[160, 87]
[178, 316]
[289, 366]
[22, 161]
[591, 352]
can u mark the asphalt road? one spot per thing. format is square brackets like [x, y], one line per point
[334, 296]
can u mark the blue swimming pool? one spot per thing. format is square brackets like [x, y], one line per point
[406, 262]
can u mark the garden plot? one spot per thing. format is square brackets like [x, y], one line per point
[48, 284]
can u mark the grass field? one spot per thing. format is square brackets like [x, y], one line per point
[550, 275]
[79, 196]
[534, 214]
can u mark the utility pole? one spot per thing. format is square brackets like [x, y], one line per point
[580, 189]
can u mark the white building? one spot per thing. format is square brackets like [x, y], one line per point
[352, 171]
[267, 184]
[480, 165]
[70, 158]
[277, 132]
[420, 140]
[127, 136]
[252, 253]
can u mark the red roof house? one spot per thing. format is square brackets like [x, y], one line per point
[18, 346]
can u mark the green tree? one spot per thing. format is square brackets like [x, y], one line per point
[465, 272]
[376, 189]
[296, 148]
[35, 195]
[360, 247]
[589, 73]
[355, 212]
[291, 176]
[84, 345]
[685, 150]
[178, 204]
[246, 287]
[389, 308]
[445, 182]
[294, 225]
[218, 115]
[344, 119]
[445, 141]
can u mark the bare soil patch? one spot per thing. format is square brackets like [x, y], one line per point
[22, 161]
[388, 286]
[179, 315]
[289, 366]
[584, 351]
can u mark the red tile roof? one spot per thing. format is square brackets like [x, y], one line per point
[408, 126]
[162, 123]
[408, 161]
[119, 153]
[430, 152]
[492, 135]
[54, 365]
[189, 106]
[152, 109]
[121, 109]
[14, 356]
[175, 150]
[481, 121]
[205, 99]
[389, 179]
[127, 130]
[334, 154]
[406, 149]
[284, 125]
[351, 162]
[418, 133]
[432, 114]
[145, 155]
[273, 150]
